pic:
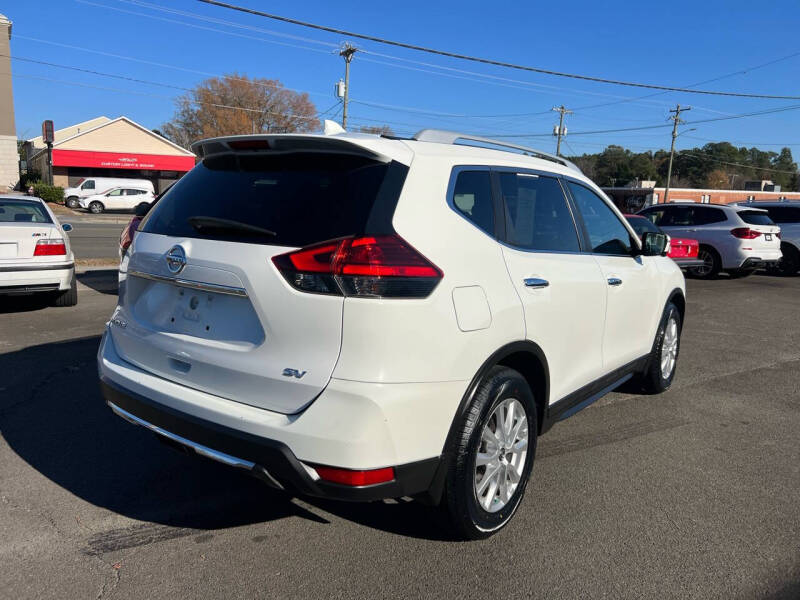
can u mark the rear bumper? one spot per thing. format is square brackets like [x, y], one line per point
[756, 262]
[351, 425]
[16, 279]
[269, 460]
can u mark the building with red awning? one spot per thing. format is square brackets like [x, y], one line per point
[104, 147]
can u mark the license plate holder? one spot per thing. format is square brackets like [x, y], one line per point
[192, 311]
[8, 250]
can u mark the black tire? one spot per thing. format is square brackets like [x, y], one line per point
[67, 297]
[790, 261]
[713, 260]
[740, 273]
[470, 520]
[653, 381]
[72, 202]
[96, 208]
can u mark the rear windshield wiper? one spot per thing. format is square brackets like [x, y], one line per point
[217, 224]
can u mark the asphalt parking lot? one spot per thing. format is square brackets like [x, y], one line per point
[694, 493]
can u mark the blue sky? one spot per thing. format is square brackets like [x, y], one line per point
[677, 44]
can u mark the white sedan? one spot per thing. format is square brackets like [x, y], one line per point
[118, 198]
[35, 254]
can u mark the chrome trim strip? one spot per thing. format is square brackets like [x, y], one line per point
[225, 459]
[195, 285]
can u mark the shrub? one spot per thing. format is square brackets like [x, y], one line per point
[49, 193]
[29, 178]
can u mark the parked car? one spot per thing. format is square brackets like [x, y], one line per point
[120, 198]
[35, 255]
[356, 317]
[91, 186]
[140, 212]
[733, 238]
[785, 214]
[682, 250]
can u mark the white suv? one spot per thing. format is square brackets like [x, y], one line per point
[733, 238]
[358, 317]
[785, 214]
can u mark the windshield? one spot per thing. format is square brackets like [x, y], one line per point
[23, 211]
[302, 197]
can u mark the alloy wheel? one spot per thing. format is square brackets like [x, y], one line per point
[501, 455]
[669, 347]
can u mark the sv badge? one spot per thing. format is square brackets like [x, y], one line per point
[293, 373]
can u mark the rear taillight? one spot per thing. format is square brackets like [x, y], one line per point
[366, 267]
[745, 233]
[53, 247]
[355, 478]
[778, 235]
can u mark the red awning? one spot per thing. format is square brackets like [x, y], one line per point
[121, 160]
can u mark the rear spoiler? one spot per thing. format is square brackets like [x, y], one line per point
[284, 144]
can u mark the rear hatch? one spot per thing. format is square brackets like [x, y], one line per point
[765, 234]
[228, 322]
[23, 223]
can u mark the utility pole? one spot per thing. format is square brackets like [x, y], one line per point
[347, 53]
[676, 120]
[561, 131]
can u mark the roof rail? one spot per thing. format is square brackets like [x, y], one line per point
[442, 136]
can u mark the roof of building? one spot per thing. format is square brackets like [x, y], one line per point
[67, 132]
[83, 136]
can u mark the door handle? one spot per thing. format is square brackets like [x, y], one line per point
[615, 281]
[535, 282]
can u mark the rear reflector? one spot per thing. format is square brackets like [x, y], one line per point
[349, 477]
[368, 267]
[52, 247]
[745, 233]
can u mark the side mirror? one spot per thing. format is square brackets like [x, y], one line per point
[654, 243]
[142, 209]
[66, 227]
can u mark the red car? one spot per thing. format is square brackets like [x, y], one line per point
[683, 251]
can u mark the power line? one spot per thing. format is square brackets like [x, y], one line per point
[693, 154]
[151, 95]
[644, 127]
[488, 61]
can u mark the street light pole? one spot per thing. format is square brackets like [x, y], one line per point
[676, 120]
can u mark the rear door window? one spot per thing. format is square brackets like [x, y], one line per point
[755, 217]
[472, 197]
[703, 215]
[536, 213]
[302, 197]
[607, 234]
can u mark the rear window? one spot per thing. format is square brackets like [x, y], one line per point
[642, 224]
[784, 214]
[755, 217]
[23, 211]
[303, 198]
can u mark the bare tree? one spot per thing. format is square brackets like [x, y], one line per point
[234, 105]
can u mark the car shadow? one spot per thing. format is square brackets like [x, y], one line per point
[25, 302]
[105, 281]
[53, 416]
